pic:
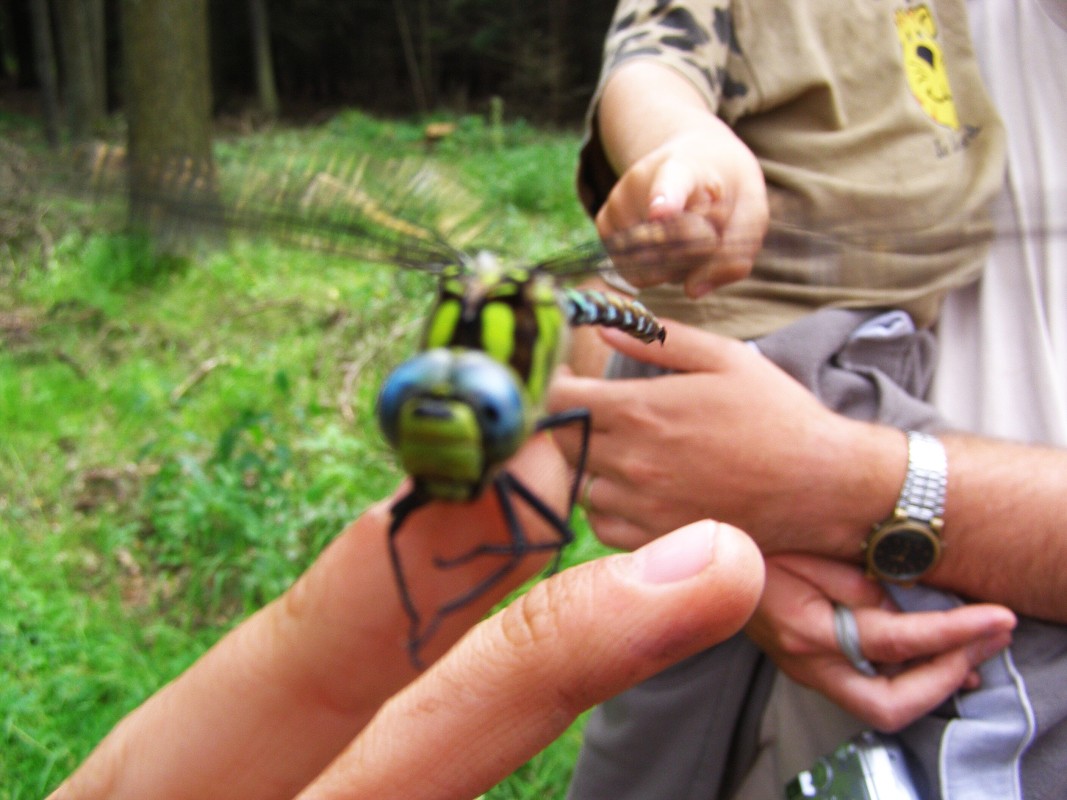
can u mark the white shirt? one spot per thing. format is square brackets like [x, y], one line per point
[1003, 368]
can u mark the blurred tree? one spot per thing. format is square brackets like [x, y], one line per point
[45, 66]
[266, 88]
[419, 69]
[403, 56]
[16, 41]
[556, 58]
[168, 107]
[81, 53]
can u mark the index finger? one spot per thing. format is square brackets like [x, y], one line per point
[270, 705]
[889, 703]
[685, 349]
[896, 637]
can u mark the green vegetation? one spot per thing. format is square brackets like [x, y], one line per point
[178, 441]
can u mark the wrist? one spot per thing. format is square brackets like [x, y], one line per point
[905, 546]
[860, 470]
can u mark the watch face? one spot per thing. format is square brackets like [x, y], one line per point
[903, 552]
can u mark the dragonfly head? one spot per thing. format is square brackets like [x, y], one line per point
[476, 279]
[452, 416]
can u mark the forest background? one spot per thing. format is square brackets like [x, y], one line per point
[179, 439]
[301, 58]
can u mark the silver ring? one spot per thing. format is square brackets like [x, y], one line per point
[586, 491]
[848, 639]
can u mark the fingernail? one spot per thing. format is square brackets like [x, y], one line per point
[662, 206]
[678, 555]
[986, 648]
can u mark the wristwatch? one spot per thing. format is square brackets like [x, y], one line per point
[906, 546]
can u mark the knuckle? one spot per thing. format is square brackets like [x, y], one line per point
[535, 618]
[642, 471]
[732, 269]
[793, 644]
[530, 631]
[890, 648]
[886, 711]
[887, 719]
[525, 624]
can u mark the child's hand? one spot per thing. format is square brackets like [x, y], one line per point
[710, 189]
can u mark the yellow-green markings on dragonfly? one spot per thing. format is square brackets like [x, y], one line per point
[460, 408]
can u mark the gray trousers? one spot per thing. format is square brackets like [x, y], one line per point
[693, 731]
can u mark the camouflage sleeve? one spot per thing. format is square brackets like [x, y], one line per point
[693, 37]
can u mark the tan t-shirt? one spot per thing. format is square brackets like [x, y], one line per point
[871, 124]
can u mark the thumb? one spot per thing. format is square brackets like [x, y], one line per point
[518, 679]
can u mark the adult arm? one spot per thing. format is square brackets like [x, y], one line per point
[750, 446]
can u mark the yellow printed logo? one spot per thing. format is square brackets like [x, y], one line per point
[924, 65]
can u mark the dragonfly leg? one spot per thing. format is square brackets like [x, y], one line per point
[504, 485]
[399, 512]
[580, 416]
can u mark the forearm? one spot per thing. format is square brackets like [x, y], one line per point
[645, 104]
[1003, 534]
[657, 150]
[729, 436]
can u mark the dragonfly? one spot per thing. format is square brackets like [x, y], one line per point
[474, 392]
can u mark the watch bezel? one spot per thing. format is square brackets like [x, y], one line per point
[898, 524]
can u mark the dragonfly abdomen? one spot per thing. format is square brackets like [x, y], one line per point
[593, 307]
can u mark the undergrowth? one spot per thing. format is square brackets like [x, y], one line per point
[180, 438]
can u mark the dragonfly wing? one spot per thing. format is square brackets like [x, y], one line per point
[406, 214]
[644, 255]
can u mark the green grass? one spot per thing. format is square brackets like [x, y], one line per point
[178, 442]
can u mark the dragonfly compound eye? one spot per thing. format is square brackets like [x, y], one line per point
[452, 415]
[492, 391]
[416, 375]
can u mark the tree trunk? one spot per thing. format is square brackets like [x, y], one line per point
[265, 85]
[407, 43]
[45, 63]
[80, 90]
[97, 35]
[426, 64]
[168, 103]
[557, 58]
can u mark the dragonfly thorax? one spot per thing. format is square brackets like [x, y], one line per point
[511, 314]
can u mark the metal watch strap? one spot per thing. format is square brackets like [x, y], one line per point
[922, 497]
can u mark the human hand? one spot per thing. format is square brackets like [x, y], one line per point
[708, 195]
[921, 657]
[730, 437]
[265, 713]
[674, 155]
[520, 678]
